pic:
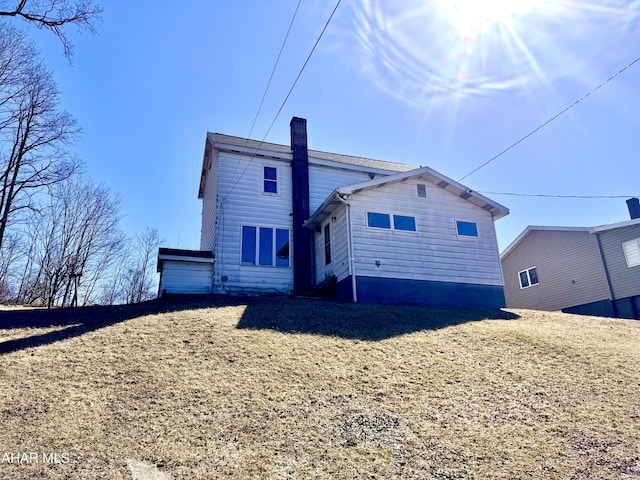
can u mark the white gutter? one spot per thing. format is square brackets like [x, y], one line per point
[352, 264]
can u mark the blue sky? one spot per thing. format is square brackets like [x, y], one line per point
[438, 83]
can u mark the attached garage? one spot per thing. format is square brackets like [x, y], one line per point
[185, 271]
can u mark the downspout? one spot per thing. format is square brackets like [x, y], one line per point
[607, 276]
[352, 264]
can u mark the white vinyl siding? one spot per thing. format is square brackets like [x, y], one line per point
[339, 265]
[323, 180]
[186, 277]
[209, 204]
[434, 252]
[240, 180]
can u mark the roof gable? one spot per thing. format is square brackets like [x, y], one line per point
[537, 228]
[339, 195]
[598, 229]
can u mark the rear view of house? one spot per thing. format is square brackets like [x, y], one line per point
[286, 219]
[589, 270]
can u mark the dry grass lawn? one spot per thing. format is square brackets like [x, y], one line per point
[278, 388]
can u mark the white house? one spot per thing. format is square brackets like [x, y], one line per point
[285, 219]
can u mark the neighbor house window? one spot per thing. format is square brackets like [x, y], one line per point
[383, 220]
[528, 278]
[269, 179]
[422, 190]
[632, 252]
[265, 246]
[327, 245]
[467, 229]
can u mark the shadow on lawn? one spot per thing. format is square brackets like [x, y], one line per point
[358, 321]
[81, 320]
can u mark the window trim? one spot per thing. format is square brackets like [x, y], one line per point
[459, 235]
[635, 241]
[263, 179]
[391, 222]
[527, 270]
[274, 246]
[327, 243]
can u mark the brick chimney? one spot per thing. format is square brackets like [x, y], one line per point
[300, 204]
[634, 207]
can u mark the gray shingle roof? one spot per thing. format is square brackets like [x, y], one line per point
[256, 145]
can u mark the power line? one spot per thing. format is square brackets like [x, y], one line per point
[274, 70]
[285, 100]
[629, 65]
[544, 195]
[302, 69]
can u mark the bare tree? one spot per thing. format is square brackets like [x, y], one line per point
[141, 274]
[54, 15]
[34, 135]
[75, 240]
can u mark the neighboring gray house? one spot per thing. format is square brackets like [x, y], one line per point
[593, 271]
[286, 219]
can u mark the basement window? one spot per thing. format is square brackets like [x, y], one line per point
[265, 246]
[269, 180]
[528, 278]
[632, 252]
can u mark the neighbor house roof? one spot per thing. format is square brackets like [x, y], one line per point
[334, 199]
[598, 229]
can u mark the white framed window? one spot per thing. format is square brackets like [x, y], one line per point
[632, 252]
[265, 246]
[388, 221]
[422, 190]
[528, 277]
[466, 229]
[269, 180]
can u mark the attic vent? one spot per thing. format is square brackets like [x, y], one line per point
[422, 190]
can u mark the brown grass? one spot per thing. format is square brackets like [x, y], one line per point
[294, 389]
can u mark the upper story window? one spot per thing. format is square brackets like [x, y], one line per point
[269, 179]
[422, 190]
[528, 278]
[632, 252]
[466, 229]
[383, 220]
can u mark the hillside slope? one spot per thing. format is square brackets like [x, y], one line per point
[277, 388]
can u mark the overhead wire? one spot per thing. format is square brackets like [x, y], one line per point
[326, 25]
[540, 127]
[266, 89]
[544, 195]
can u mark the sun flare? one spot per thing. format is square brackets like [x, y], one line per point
[478, 15]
